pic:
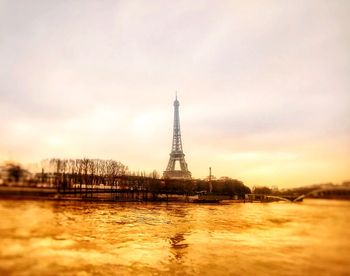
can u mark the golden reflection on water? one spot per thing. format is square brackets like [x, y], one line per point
[65, 238]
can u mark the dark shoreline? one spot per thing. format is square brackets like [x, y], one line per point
[33, 193]
[39, 193]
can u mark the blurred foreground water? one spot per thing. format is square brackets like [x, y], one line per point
[81, 238]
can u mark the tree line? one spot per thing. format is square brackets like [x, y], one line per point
[82, 171]
[108, 172]
[65, 174]
[227, 186]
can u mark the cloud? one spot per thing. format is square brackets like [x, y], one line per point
[97, 79]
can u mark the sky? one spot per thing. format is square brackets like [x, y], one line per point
[264, 86]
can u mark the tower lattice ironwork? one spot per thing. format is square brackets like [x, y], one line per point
[177, 154]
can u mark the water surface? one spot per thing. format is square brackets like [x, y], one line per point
[81, 238]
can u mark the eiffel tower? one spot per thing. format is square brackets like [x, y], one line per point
[177, 154]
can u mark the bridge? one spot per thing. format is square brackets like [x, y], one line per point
[269, 198]
[338, 192]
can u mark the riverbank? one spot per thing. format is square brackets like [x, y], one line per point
[40, 193]
[106, 195]
[27, 192]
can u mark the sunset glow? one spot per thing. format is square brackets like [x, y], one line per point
[264, 87]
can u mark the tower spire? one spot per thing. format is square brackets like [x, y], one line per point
[176, 154]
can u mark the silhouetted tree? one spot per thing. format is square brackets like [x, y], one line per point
[262, 190]
[15, 172]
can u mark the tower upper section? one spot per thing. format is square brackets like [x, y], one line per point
[176, 102]
[177, 143]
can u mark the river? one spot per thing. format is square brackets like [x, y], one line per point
[82, 238]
